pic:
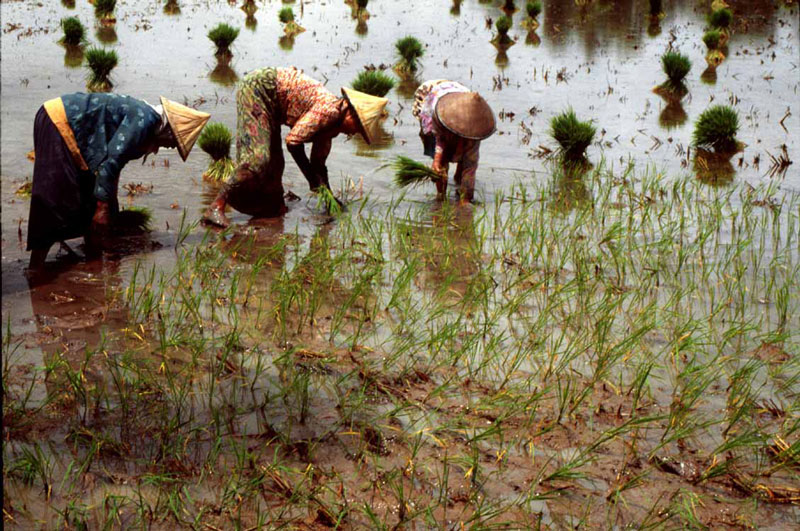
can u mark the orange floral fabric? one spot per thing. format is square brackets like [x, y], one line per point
[308, 107]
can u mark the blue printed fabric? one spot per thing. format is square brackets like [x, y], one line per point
[111, 130]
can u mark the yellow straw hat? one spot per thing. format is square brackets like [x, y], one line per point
[186, 124]
[369, 110]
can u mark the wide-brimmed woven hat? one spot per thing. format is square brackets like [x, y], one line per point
[466, 114]
[369, 110]
[186, 124]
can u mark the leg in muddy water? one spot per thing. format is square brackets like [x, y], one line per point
[38, 256]
[466, 184]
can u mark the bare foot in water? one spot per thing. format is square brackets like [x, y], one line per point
[216, 217]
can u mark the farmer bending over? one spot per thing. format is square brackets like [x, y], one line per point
[267, 99]
[81, 142]
[452, 121]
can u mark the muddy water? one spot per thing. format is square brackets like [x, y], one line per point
[602, 60]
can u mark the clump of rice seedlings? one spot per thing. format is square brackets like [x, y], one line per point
[502, 26]
[216, 140]
[104, 10]
[573, 136]
[410, 49]
[373, 82]
[74, 32]
[133, 220]
[409, 172]
[100, 63]
[290, 27]
[721, 18]
[533, 8]
[676, 66]
[712, 38]
[223, 35]
[716, 128]
[171, 7]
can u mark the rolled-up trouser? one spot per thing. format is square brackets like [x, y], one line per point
[256, 187]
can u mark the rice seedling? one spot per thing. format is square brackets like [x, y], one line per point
[676, 66]
[721, 19]
[410, 50]
[133, 220]
[716, 128]
[502, 25]
[712, 38]
[74, 31]
[216, 140]
[249, 7]
[373, 82]
[100, 62]
[409, 172]
[223, 35]
[533, 8]
[573, 136]
[104, 10]
[290, 27]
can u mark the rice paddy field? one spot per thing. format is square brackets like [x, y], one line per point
[607, 344]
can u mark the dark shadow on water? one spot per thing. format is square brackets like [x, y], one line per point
[713, 169]
[106, 34]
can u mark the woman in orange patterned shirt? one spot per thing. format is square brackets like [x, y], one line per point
[265, 100]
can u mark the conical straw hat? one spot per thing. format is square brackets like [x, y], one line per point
[186, 124]
[466, 114]
[369, 110]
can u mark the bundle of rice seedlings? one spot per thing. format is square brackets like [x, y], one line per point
[502, 25]
[290, 27]
[676, 66]
[249, 7]
[216, 140]
[328, 201]
[74, 32]
[133, 220]
[100, 63]
[533, 8]
[716, 128]
[573, 136]
[721, 18]
[410, 49]
[712, 38]
[373, 82]
[223, 35]
[409, 172]
[104, 9]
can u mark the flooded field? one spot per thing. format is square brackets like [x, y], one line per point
[603, 347]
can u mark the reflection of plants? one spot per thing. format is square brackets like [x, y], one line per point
[573, 136]
[171, 7]
[223, 73]
[714, 58]
[410, 50]
[569, 186]
[712, 38]
[709, 75]
[100, 63]
[223, 35]
[533, 39]
[73, 56]
[656, 8]
[74, 32]
[104, 9]
[509, 6]
[455, 10]
[216, 140]
[106, 34]
[373, 82]
[290, 27]
[713, 168]
[69, 4]
[716, 128]
[673, 114]
[286, 42]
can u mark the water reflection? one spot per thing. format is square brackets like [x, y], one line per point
[714, 169]
[570, 190]
[223, 73]
[172, 8]
[381, 140]
[532, 38]
[673, 115]
[106, 34]
[73, 56]
[286, 42]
